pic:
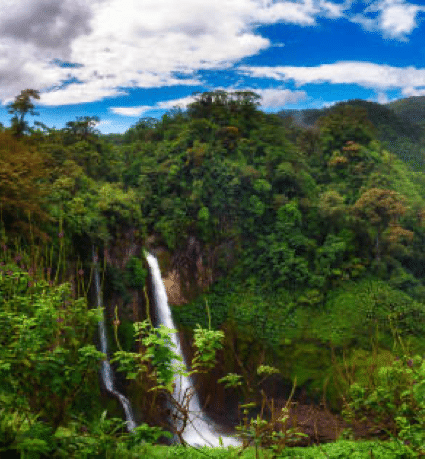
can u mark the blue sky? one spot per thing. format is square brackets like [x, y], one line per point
[122, 60]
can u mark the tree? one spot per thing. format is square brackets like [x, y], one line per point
[145, 129]
[332, 210]
[381, 209]
[23, 184]
[282, 260]
[345, 123]
[83, 128]
[22, 106]
[237, 108]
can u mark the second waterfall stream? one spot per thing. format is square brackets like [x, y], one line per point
[105, 369]
[200, 429]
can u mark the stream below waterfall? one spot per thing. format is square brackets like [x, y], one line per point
[200, 430]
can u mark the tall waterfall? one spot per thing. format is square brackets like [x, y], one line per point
[106, 370]
[200, 429]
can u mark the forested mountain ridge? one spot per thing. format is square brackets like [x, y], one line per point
[392, 120]
[411, 109]
[399, 124]
[311, 239]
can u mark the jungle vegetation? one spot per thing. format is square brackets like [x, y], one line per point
[312, 225]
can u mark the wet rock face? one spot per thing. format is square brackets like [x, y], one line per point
[172, 283]
[192, 268]
[130, 301]
[120, 251]
[183, 272]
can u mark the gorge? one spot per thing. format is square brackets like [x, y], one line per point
[200, 430]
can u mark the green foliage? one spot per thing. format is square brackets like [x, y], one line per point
[343, 449]
[330, 255]
[354, 312]
[263, 433]
[388, 122]
[206, 343]
[173, 228]
[266, 370]
[157, 350]
[158, 358]
[312, 237]
[135, 273]
[160, 363]
[104, 438]
[231, 380]
[20, 107]
[195, 313]
[35, 442]
[309, 363]
[143, 130]
[47, 362]
[23, 186]
[82, 129]
[338, 450]
[117, 282]
[410, 109]
[46, 358]
[124, 334]
[342, 124]
[104, 209]
[224, 109]
[282, 262]
[393, 401]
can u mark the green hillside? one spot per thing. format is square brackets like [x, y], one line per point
[392, 120]
[411, 109]
[398, 125]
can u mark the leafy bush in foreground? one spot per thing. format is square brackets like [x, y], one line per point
[393, 402]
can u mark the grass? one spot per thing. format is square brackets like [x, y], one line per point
[342, 449]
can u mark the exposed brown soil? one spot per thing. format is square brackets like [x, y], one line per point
[318, 423]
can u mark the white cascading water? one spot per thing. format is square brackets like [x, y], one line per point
[106, 370]
[200, 429]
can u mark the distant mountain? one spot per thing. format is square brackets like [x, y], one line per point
[304, 118]
[391, 124]
[400, 125]
[411, 109]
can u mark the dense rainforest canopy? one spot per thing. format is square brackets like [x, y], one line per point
[311, 226]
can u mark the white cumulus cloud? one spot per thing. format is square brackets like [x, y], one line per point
[75, 93]
[127, 44]
[163, 105]
[410, 91]
[136, 111]
[366, 74]
[275, 99]
[139, 110]
[393, 18]
[122, 44]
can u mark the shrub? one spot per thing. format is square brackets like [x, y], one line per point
[393, 402]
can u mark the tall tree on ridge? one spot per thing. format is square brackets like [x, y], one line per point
[20, 107]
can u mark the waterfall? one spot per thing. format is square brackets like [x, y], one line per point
[200, 430]
[106, 370]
